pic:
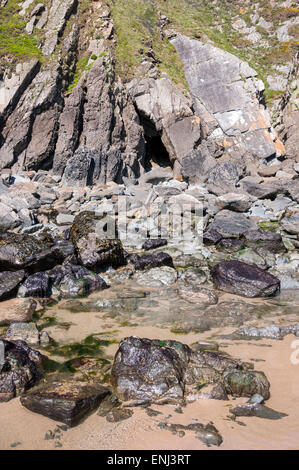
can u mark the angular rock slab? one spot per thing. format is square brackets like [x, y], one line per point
[226, 89]
[23, 331]
[244, 279]
[65, 401]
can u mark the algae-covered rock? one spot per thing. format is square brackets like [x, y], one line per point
[24, 251]
[247, 383]
[92, 244]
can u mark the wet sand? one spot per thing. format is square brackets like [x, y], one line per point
[22, 429]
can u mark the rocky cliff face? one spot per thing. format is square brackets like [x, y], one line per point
[66, 105]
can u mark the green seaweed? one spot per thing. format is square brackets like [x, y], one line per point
[90, 346]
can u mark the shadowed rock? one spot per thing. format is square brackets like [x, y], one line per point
[9, 282]
[152, 261]
[150, 244]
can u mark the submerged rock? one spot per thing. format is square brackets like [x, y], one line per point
[258, 410]
[197, 295]
[208, 434]
[20, 369]
[157, 277]
[65, 401]
[244, 279]
[119, 414]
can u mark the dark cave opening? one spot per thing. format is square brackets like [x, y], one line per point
[156, 153]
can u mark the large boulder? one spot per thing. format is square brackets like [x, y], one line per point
[265, 240]
[166, 114]
[75, 281]
[223, 178]
[20, 369]
[244, 279]
[78, 170]
[9, 218]
[261, 191]
[290, 222]
[168, 371]
[145, 370]
[197, 164]
[27, 332]
[247, 383]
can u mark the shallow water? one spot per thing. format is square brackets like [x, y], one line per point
[160, 313]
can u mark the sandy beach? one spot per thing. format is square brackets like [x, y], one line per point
[22, 429]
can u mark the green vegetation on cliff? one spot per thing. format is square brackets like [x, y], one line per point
[137, 27]
[14, 41]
